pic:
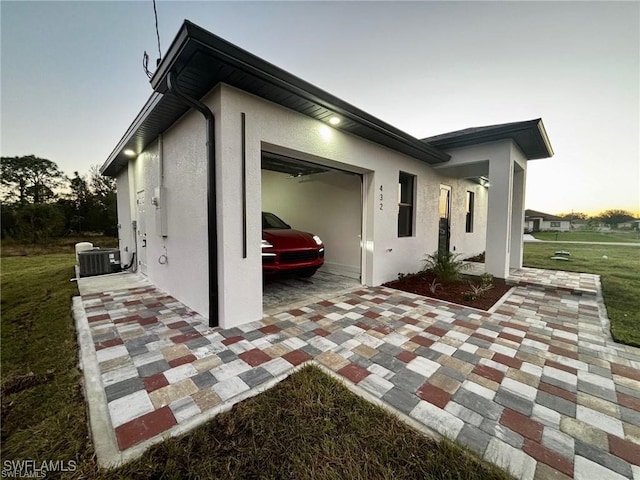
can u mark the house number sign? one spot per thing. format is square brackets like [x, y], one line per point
[381, 198]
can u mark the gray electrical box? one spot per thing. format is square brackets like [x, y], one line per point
[99, 262]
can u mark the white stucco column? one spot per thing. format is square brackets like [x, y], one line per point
[517, 216]
[499, 215]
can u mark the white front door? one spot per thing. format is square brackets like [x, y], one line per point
[141, 233]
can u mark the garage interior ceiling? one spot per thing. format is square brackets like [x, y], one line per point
[292, 166]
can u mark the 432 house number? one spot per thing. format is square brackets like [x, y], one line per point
[381, 198]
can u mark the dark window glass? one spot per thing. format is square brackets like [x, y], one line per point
[269, 220]
[470, 207]
[406, 186]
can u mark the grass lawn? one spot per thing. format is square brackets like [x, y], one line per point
[620, 275]
[308, 427]
[13, 248]
[585, 236]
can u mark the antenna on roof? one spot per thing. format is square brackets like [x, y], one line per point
[145, 56]
[145, 64]
[155, 13]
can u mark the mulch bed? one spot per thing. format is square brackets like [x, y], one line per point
[454, 292]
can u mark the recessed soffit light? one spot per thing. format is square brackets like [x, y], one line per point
[129, 153]
[334, 120]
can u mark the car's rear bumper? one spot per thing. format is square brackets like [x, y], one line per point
[275, 261]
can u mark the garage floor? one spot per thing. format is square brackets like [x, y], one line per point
[287, 292]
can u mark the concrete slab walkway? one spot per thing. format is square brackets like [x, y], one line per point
[537, 386]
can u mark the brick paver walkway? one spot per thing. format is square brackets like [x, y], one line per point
[536, 386]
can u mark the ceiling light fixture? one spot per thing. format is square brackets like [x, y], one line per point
[129, 153]
[334, 120]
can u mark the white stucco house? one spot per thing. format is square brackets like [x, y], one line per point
[535, 221]
[226, 135]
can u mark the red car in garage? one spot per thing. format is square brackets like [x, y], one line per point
[287, 250]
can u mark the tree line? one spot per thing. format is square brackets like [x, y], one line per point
[612, 217]
[40, 202]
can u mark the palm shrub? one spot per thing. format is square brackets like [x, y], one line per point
[445, 266]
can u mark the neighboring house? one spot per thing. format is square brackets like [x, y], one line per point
[535, 221]
[629, 225]
[226, 135]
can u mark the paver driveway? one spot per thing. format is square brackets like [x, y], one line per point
[536, 386]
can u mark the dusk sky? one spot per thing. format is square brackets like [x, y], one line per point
[72, 78]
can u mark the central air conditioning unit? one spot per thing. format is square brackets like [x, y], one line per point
[99, 262]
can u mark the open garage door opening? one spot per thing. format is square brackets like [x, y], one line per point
[321, 253]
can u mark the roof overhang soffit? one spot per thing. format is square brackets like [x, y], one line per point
[201, 60]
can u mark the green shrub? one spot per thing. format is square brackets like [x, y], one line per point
[446, 266]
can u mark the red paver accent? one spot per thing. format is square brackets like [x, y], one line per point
[489, 372]
[371, 314]
[144, 427]
[132, 302]
[559, 326]
[321, 332]
[424, 341]
[363, 326]
[97, 318]
[185, 337]
[558, 392]
[625, 371]
[153, 305]
[148, 321]
[383, 329]
[254, 357]
[436, 331]
[515, 326]
[353, 301]
[511, 337]
[465, 324]
[548, 457]
[268, 329]
[538, 338]
[409, 320]
[354, 372]
[325, 303]
[624, 449]
[109, 343]
[483, 337]
[507, 360]
[232, 340]
[128, 318]
[409, 303]
[521, 424]
[296, 312]
[563, 351]
[179, 324]
[296, 357]
[378, 301]
[433, 394]
[406, 356]
[316, 318]
[629, 401]
[176, 362]
[560, 366]
[154, 382]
